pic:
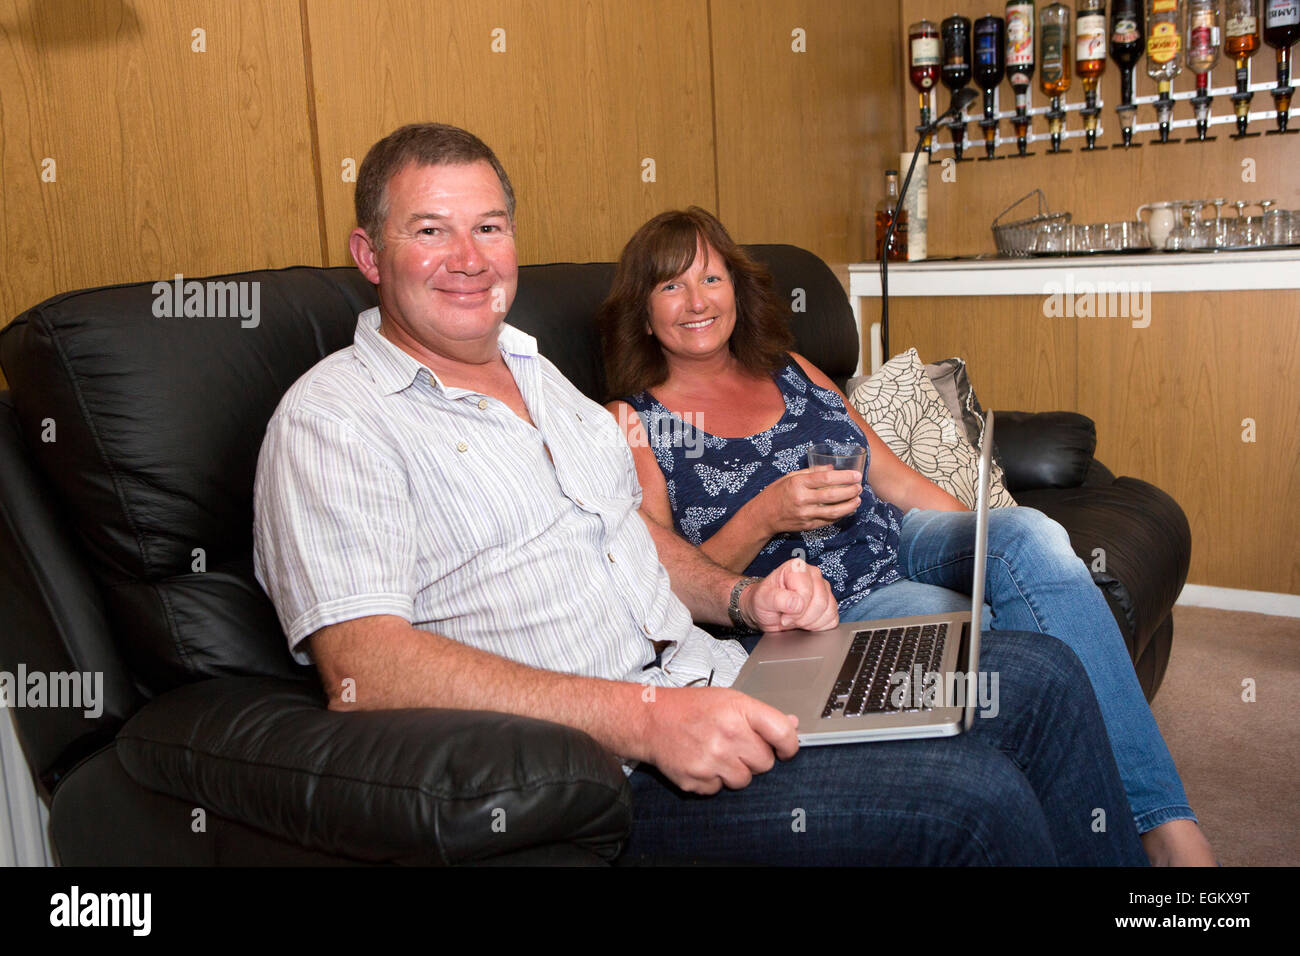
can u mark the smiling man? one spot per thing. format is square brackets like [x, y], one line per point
[443, 520]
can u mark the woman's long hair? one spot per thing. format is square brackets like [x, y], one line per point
[662, 249]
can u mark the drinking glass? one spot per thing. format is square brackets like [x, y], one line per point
[839, 456]
[1277, 227]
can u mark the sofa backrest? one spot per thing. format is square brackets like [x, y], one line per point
[142, 430]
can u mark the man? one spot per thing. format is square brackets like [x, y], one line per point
[444, 519]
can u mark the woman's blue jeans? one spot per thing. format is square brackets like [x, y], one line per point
[1035, 582]
[1035, 784]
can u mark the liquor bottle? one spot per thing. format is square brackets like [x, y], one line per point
[1020, 63]
[885, 215]
[1127, 39]
[990, 64]
[1164, 43]
[1203, 18]
[1054, 64]
[956, 71]
[1241, 40]
[1090, 59]
[924, 53]
[1281, 29]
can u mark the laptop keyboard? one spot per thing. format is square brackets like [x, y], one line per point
[863, 685]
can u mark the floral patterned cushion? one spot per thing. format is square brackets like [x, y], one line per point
[901, 403]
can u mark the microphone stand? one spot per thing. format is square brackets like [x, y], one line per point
[960, 100]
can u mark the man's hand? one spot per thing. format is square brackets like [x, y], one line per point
[795, 595]
[808, 498]
[707, 738]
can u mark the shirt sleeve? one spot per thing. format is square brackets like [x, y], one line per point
[332, 528]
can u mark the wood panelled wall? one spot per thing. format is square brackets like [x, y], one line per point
[775, 114]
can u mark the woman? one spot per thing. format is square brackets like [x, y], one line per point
[696, 339]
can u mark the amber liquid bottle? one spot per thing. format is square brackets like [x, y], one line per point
[1241, 42]
[1090, 59]
[1054, 64]
[885, 215]
[1281, 30]
[1020, 63]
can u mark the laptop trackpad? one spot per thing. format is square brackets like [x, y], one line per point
[784, 676]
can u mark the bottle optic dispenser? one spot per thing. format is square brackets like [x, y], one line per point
[1054, 75]
[1202, 53]
[1127, 39]
[1241, 40]
[956, 71]
[990, 65]
[1020, 64]
[924, 52]
[1281, 28]
[1164, 43]
[1090, 60]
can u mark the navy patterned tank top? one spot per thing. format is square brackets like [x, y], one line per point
[710, 478]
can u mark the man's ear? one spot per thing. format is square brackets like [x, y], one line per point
[363, 254]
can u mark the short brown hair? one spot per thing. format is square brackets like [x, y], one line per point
[425, 144]
[661, 249]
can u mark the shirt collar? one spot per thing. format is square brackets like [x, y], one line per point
[394, 369]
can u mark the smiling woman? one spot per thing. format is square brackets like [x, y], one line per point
[694, 333]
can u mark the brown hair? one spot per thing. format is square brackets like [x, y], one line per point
[425, 144]
[660, 250]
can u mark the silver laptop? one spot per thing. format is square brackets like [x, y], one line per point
[892, 679]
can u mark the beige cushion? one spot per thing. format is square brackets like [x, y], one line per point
[903, 407]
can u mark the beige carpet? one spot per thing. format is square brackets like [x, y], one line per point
[1239, 760]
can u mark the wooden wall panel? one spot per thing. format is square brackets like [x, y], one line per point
[1018, 359]
[1103, 185]
[1169, 401]
[166, 160]
[804, 138]
[585, 90]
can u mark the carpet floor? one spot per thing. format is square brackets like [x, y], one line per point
[1239, 757]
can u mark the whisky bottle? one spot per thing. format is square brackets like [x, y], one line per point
[1090, 59]
[1241, 40]
[1127, 39]
[1054, 76]
[885, 215]
[1020, 63]
[924, 52]
[1281, 29]
[956, 71]
[1164, 43]
[990, 65]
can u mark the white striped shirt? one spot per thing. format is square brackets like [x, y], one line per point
[382, 491]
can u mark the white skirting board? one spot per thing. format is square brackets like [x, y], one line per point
[1239, 599]
[24, 821]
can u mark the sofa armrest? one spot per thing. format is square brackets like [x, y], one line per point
[1044, 449]
[424, 786]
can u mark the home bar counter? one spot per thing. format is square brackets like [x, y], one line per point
[1189, 363]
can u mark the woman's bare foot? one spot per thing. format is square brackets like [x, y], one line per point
[1178, 843]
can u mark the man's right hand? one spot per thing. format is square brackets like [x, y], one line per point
[705, 738]
[807, 499]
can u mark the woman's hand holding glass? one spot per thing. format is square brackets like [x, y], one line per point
[809, 498]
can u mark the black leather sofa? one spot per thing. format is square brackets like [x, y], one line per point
[129, 443]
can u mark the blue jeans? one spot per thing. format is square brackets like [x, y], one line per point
[1035, 784]
[1035, 582]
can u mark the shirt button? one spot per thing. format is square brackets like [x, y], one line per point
[579, 501]
[646, 628]
[610, 555]
[482, 403]
[461, 446]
